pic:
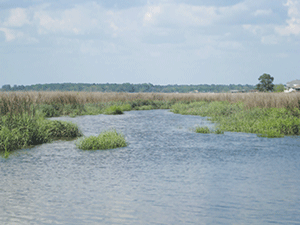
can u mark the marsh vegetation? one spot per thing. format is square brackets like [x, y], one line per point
[23, 114]
[106, 140]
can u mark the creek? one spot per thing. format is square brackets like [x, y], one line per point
[168, 174]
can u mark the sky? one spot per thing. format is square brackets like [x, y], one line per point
[149, 41]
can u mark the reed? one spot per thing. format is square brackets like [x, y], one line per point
[22, 101]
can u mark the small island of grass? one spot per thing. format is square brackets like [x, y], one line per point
[105, 140]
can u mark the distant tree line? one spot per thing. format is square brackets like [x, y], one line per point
[127, 87]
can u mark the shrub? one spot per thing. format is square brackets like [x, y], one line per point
[105, 140]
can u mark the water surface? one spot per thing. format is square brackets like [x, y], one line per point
[167, 175]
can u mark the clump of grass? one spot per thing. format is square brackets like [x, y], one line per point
[105, 140]
[203, 130]
[55, 129]
[219, 131]
[19, 131]
[126, 107]
[113, 110]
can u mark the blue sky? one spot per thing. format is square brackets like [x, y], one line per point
[154, 41]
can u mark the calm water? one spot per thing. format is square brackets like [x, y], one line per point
[167, 175]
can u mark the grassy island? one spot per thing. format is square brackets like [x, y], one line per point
[105, 140]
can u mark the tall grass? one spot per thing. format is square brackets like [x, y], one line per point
[22, 101]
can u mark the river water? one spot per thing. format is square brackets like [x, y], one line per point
[167, 175]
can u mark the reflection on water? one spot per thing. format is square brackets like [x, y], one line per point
[167, 175]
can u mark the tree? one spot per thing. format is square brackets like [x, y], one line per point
[6, 87]
[266, 83]
[279, 88]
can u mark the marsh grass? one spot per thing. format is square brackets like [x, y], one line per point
[64, 103]
[24, 130]
[22, 114]
[202, 130]
[117, 109]
[266, 122]
[113, 110]
[206, 130]
[218, 131]
[105, 140]
[19, 131]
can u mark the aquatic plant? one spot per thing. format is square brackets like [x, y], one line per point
[219, 131]
[113, 110]
[23, 130]
[105, 140]
[203, 130]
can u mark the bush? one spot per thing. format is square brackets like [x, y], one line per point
[105, 140]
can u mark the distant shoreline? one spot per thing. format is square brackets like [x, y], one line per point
[130, 88]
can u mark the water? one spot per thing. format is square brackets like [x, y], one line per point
[167, 175]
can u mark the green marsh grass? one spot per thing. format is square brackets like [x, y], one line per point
[266, 122]
[23, 114]
[105, 140]
[202, 130]
[24, 130]
[113, 110]
[218, 131]
[206, 130]
[117, 109]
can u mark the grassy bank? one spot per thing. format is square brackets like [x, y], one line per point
[24, 130]
[236, 117]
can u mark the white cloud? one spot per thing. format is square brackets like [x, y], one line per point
[254, 29]
[10, 34]
[180, 15]
[261, 12]
[77, 20]
[293, 23]
[151, 12]
[18, 17]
